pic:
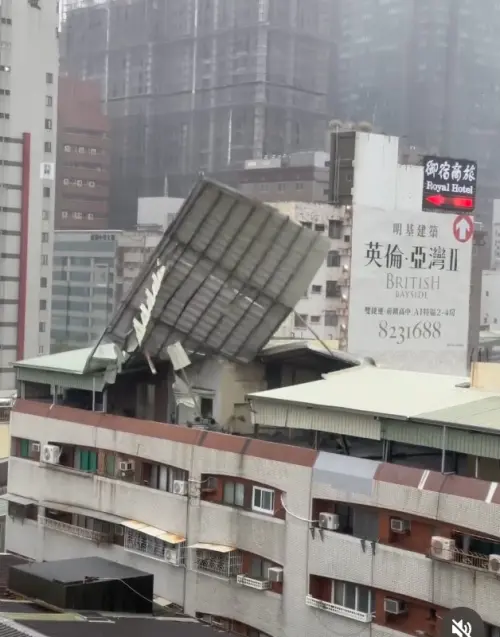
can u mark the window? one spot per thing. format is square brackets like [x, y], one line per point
[300, 320]
[333, 259]
[316, 319]
[47, 147]
[43, 304]
[332, 289]
[86, 460]
[259, 568]
[281, 187]
[43, 282]
[234, 494]
[41, 327]
[48, 124]
[24, 448]
[334, 229]
[46, 215]
[49, 78]
[299, 185]
[48, 100]
[331, 319]
[306, 224]
[263, 500]
[352, 596]
[45, 259]
[347, 238]
[319, 227]
[316, 289]
[46, 191]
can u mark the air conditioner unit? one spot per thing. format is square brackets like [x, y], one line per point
[329, 521]
[494, 564]
[50, 454]
[400, 526]
[172, 557]
[35, 446]
[275, 574]
[126, 466]
[394, 606]
[180, 487]
[442, 548]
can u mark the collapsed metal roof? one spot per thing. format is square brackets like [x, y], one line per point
[226, 274]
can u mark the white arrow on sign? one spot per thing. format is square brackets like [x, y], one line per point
[463, 228]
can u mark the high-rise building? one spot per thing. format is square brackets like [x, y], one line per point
[427, 70]
[201, 85]
[82, 157]
[28, 117]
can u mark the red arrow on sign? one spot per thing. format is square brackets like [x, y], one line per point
[463, 228]
[436, 200]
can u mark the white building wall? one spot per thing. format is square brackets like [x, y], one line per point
[315, 305]
[29, 52]
[490, 299]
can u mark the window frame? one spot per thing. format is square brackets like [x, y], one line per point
[259, 508]
[357, 589]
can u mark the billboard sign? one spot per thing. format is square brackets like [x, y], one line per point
[449, 184]
[410, 288]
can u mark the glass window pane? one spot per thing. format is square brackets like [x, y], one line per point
[256, 567]
[229, 493]
[257, 497]
[350, 595]
[110, 465]
[338, 593]
[363, 599]
[239, 495]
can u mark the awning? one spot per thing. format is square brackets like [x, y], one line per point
[217, 548]
[90, 513]
[17, 499]
[152, 531]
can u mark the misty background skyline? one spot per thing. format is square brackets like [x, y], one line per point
[204, 85]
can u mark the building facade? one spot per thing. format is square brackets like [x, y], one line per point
[277, 539]
[92, 271]
[323, 310]
[245, 79]
[83, 147]
[28, 123]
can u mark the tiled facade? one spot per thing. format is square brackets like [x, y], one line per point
[239, 540]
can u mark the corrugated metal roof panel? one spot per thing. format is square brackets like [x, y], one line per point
[482, 413]
[378, 391]
[235, 268]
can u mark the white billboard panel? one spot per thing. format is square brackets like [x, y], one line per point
[410, 289]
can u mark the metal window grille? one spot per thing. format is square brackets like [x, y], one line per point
[221, 565]
[137, 542]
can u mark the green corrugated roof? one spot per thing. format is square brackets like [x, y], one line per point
[482, 413]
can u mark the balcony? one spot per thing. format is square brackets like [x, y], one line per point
[329, 607]
[222, 562]
[251, 582]
[154, 543]
[76, 531]
[125, 500]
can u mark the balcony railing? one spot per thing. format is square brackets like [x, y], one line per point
[329, 607]
[220, 565]
[464, 558]
[252, 582]
[77, 531]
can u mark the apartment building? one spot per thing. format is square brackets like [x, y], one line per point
[28, 123]
[92, 273]
[377, 526]
[323, 309]
[83, 145]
